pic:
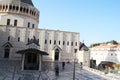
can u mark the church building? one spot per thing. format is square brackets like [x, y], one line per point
[20, 36]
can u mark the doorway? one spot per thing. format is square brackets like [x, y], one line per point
[31, 61]
[6, 51]
[56, 58]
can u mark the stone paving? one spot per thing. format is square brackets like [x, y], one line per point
[80, 74]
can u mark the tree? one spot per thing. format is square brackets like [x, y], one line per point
[95, 44]
[113, 42]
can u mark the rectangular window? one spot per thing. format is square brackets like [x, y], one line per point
[8, 21]
[68, 43]
[45, 41]
[59, 42]
[63, 42]
[28, 39]
[15, 22]
[8, 38]
[33, 25]
[71, 43]
[50, 41]
[18, 39]
[54, 41]
[28, 25]
[76, 43]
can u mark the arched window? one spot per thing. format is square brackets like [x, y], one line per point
[17, 8]
[75, 43]
[8, 21]
[6, 7]
[71, 43]
[26, 10]
[10, 7]
[59, 42]
[8, 38]
[18, 39]
[13, 7]
[15, 22]
[21, 9]
[54, 41]
[0, 7]
[45, 41]
[63, 42]
[68, 43]
[50, 41]
[3, 7]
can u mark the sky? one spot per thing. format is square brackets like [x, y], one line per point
[96, 20]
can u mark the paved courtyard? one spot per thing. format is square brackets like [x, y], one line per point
[80, 74]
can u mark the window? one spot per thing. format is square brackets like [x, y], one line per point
[8, 38]
[13, 7]
[28, 39]
[76, 43]
[68, 43]
[28, 24]
[50, 41]
[17, 8]
[0, 7]
[45, 41]
[21, 9]
[33, 25]
[54, 41]
[15, 22]
[71, 43]
[111, 54]
[63, 42]
[8, 21]
[59, 42]
[27, 11]
[18, 39]
[10, 7]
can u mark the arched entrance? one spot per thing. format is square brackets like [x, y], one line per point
[6, 51]
[7, 47]
[56, 57]
[31, 61]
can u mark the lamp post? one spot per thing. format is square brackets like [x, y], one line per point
[74, 64]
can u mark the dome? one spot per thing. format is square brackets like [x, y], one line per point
[12, 1]
[27, 2]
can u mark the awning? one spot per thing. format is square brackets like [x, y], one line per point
[31, 50]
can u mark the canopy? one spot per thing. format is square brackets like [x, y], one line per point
[31, 50]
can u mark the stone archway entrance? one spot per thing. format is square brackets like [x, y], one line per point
[7, 47]
[56, 56]
[31, 61]
[6, 51]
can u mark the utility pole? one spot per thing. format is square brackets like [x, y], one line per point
[74, 65]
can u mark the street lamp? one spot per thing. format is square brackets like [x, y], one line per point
[75, 50]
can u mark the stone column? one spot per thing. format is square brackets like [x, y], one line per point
[23, 59]
[40, 61]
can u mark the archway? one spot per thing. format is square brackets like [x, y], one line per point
[56, 57]
[6, 51]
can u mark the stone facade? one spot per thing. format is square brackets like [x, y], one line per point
[19, 23]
